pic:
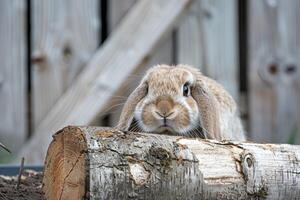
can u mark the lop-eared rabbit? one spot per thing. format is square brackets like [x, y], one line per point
[180, 100]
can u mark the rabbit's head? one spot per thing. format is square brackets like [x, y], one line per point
[171, 100]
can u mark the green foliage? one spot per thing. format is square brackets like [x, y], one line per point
[293, 135]
[5, 157]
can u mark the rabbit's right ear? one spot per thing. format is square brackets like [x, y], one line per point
[127, 114]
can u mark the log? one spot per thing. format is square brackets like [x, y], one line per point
[104, 163]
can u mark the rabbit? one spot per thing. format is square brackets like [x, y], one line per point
[180, 100]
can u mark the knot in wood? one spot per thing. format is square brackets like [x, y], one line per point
[248, 160]
[67, 51]
[290, 69]
[38, 58]
[161, 155]
[278, 70]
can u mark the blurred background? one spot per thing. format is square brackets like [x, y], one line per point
[74, 62]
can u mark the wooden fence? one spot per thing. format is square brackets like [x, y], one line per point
[251, 47]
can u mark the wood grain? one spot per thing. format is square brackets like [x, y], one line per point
[13, 74]
[274, 70]
[65, 35]
[125, 51]
[67, 160]
[190, 36]
[150, 166]
[117, 12]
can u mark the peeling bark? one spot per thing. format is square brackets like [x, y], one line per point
[102, 163]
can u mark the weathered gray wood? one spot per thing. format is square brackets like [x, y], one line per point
[207, 39]
[13, 74]
[117, 11]
[110, 164]
[274, 70]
[65, 35]
[189, 38]
[125, 51]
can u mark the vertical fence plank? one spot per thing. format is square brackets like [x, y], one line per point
[65, 35]
[13, 72]
[207, 39]
[162, 55]
[189, 38]
[274, 70]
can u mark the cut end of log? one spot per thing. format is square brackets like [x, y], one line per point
[64, 172]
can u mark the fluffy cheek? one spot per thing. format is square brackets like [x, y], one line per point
[143, 114]
[188, 117]
[182, 120]
[148, 121]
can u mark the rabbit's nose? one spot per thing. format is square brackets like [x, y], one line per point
[164, 107]
[163, 115]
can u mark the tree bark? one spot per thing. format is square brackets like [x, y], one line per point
[103, 163]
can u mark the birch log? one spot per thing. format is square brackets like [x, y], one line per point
[103, 163]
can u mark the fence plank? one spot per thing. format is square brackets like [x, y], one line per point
[274, 68]
[189, 38]
[117, 11]
[207, 39]
[65, 35]
[121, 55]
[13, 72]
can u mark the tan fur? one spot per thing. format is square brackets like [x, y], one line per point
[159, 101]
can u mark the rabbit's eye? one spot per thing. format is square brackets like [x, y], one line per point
[186, 89]
[147, 88]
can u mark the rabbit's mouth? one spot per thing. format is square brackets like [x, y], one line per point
[165, 129]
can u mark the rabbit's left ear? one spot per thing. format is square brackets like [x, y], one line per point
[127, 114]
[208, 110]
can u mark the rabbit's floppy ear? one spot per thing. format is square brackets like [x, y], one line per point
[134, 98]
[208, 109]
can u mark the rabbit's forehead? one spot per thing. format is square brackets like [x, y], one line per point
[171, 75]
[169, 80]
